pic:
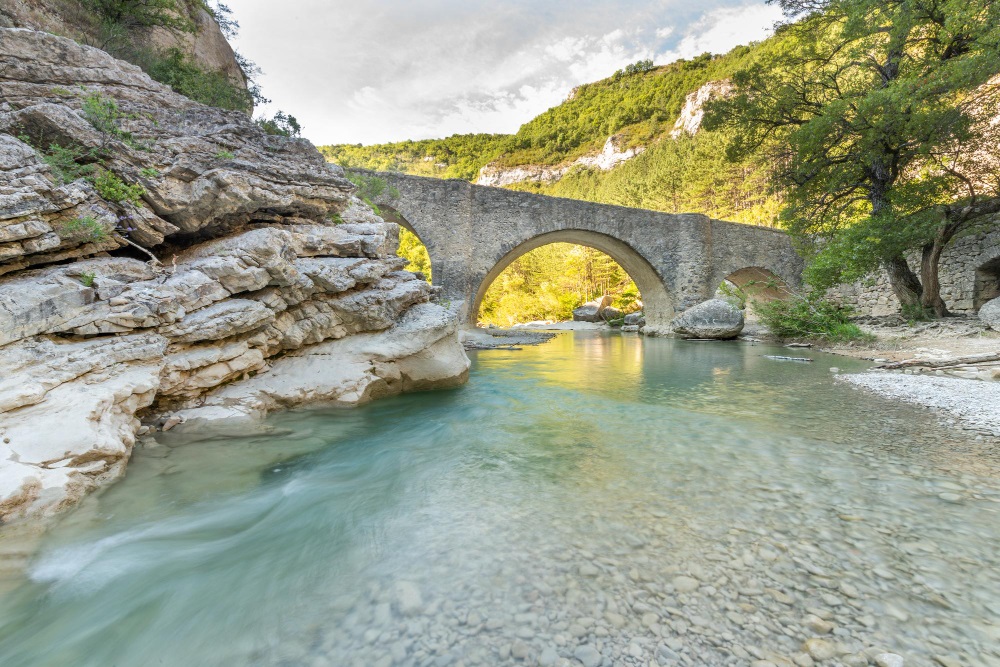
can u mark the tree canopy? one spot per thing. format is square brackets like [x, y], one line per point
[869, 113]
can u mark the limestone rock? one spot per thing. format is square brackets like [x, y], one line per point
[591, 311]
[274, 285]
[714, 318]
[635, 319]
[990, 314]
[175, 149]
[86, 395]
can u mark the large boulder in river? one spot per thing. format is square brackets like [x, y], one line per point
[714, 318]
[989, 314]
[591, 311]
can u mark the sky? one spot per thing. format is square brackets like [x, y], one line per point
[374, 71]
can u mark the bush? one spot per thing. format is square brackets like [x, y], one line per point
[131, 14]
[116, 190]
[809, 317]
[103, 113]
[370, 187]
[281, 124]
[64, 162]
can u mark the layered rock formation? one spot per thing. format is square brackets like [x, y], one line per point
[200, 269]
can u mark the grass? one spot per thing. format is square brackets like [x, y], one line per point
[85, 228]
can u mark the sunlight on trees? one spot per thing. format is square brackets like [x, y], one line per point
[547, 283]
[411, 248]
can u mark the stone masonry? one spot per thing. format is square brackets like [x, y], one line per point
[970, 276]
[473, 232]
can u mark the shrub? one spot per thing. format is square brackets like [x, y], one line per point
[103, 113]
[281, 124]
[116, 190]
[224, 155]
[149, 172]
[84, 228]
[809, 316]
[177, 70]
[87, 278]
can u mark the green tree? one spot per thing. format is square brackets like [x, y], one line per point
[863, 111]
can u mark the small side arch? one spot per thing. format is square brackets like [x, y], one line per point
[658, 304]
[755, 284]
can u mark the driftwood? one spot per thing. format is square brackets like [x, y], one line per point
[971, 360]
[780, 358]
[798, 344]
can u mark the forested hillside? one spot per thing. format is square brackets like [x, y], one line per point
[639, 107]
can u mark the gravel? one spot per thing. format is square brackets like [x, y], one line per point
[973, 402]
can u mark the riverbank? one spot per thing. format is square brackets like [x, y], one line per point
[966, 395]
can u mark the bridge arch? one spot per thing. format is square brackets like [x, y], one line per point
[473, 232]
[658, 304]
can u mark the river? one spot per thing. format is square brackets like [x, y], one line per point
[599, 499]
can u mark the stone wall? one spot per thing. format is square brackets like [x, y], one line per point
[970, 269]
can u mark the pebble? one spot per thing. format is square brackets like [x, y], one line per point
[888, 660]
[588, 655]
[819, 649]
[685, 584]
[548, 657]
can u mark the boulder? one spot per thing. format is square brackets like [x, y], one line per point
[989, 314]
[611, 313]
[714, 318]
[591, 311]
[635, 319]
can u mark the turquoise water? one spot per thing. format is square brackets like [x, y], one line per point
[562, 499]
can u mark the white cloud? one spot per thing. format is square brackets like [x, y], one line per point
[723, 29]
[381, 70]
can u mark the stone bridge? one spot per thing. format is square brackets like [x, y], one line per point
[473, 232]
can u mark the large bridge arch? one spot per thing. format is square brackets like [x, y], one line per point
[471, 232]
[657, 302]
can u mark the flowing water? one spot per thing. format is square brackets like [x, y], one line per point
[600, 499]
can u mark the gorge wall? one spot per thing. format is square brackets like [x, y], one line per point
[165, 263]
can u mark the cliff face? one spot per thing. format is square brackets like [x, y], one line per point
[272, 284]
[611, 155]
[207, 46]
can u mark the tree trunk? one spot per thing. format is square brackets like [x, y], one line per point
[904, 282]
[930, 257]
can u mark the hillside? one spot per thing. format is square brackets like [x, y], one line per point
[632, 139]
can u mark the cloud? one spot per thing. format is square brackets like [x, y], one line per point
[383, 70]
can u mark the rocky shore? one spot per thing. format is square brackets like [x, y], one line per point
[165, 264]
[966, 395]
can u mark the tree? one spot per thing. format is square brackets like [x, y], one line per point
[865, 110]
